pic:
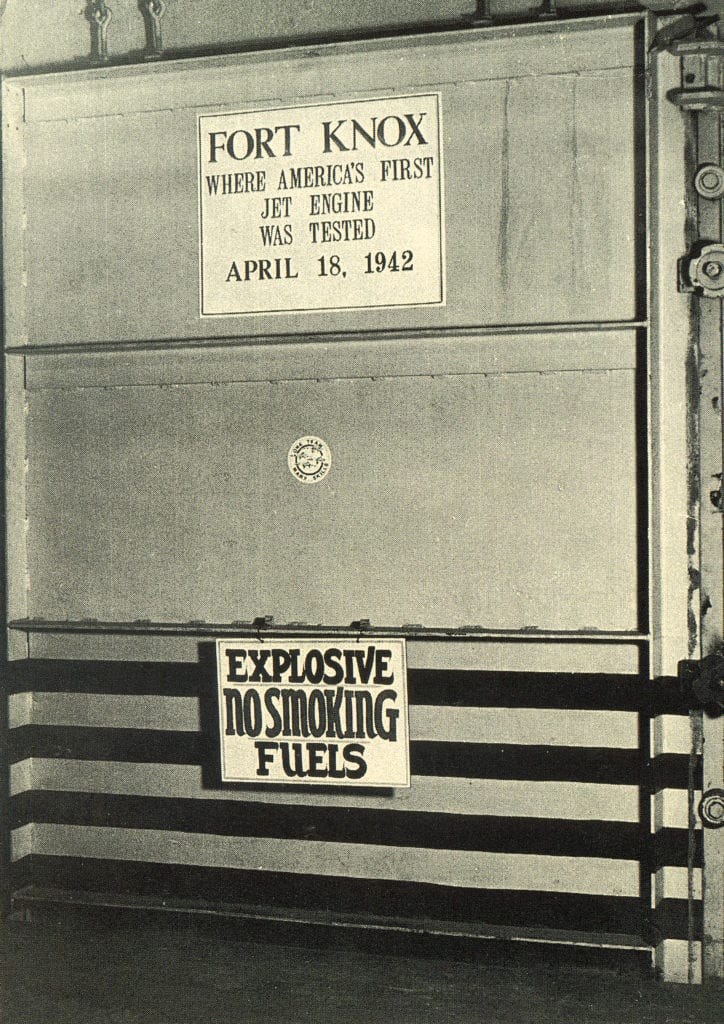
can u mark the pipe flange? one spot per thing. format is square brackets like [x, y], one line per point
[709, 181]
[711, 808]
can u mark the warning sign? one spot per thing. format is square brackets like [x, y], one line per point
[332, 206]
[314, 711]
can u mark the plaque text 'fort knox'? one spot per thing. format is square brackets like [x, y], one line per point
[333, 206]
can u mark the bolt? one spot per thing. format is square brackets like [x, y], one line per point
[712, 269]
[711, 808]
[716, 810]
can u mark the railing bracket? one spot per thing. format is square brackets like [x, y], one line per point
[153, 11]
[702, 70]
[99, 14]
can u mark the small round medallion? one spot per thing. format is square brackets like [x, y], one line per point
[309, 459]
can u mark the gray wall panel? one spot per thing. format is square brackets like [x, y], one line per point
[505, 501]
[545, 164]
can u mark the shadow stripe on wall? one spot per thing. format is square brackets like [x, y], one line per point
[336, 895]
[396, 825]
[604, 765]
[455, 688]
[179, 679]
[463, 868]
[439, 723]
[545, 836]
[583, 801]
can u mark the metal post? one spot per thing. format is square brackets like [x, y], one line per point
[709, 152]
[702, 95]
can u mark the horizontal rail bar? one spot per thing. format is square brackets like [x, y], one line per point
[233, 629]
[251, 341]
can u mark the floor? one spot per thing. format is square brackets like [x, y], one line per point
[89, 972]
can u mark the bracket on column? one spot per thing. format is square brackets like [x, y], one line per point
[153, 11]
[481, 15]
[99, 14]
[702, 73]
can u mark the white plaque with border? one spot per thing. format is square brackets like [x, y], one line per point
[323, 206]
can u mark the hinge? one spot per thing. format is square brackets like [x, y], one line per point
[701, 683]
[702, 270]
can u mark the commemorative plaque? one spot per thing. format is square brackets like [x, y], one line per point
[323, 206]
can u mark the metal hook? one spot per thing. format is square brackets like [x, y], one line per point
[361, 626]
[153, 11]
[99, 14]
[262, 622]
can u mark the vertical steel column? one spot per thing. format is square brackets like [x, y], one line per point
[702, 94]
[672, 547]
[709, 152]
[5, 817]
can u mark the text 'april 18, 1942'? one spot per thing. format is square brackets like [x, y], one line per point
[330, 206]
